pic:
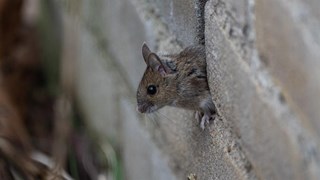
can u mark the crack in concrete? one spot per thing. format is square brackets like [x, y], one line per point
[200, 4]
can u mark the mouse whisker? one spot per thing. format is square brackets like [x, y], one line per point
[153, 119]
[164, 116]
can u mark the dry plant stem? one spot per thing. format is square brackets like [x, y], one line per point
[61, 132]
[5, 171]
[17, 58]
[10, 20]
[14, 141]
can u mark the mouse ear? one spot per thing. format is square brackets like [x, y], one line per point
[155, 63]
[145, 52]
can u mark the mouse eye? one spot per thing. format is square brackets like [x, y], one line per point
[152, 89]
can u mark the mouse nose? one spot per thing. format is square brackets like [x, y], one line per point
[140, 109]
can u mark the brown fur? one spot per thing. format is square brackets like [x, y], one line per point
[184, 85]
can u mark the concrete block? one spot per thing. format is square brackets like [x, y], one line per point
[269, 132]
[181, 17]
[235, 18]
[97, 92]
[118, 31]
[291, 52]
[209, 154]
[143, 160]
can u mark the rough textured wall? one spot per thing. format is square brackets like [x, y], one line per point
[263, 70]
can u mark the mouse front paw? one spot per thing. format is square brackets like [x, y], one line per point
[198, 115]
[204, 118]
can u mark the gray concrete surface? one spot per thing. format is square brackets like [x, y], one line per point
[263, 73]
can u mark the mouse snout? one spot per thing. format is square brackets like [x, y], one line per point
[143, 107]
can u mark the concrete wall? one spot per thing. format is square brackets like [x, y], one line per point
[263, 62]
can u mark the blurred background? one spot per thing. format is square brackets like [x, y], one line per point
[70, 70]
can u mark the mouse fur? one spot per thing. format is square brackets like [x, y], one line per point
[180, 80]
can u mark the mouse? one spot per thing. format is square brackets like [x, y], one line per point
[178, 80]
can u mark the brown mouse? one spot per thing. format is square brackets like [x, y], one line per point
[178, 80]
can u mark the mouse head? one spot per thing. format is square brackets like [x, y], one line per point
[154, 89]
